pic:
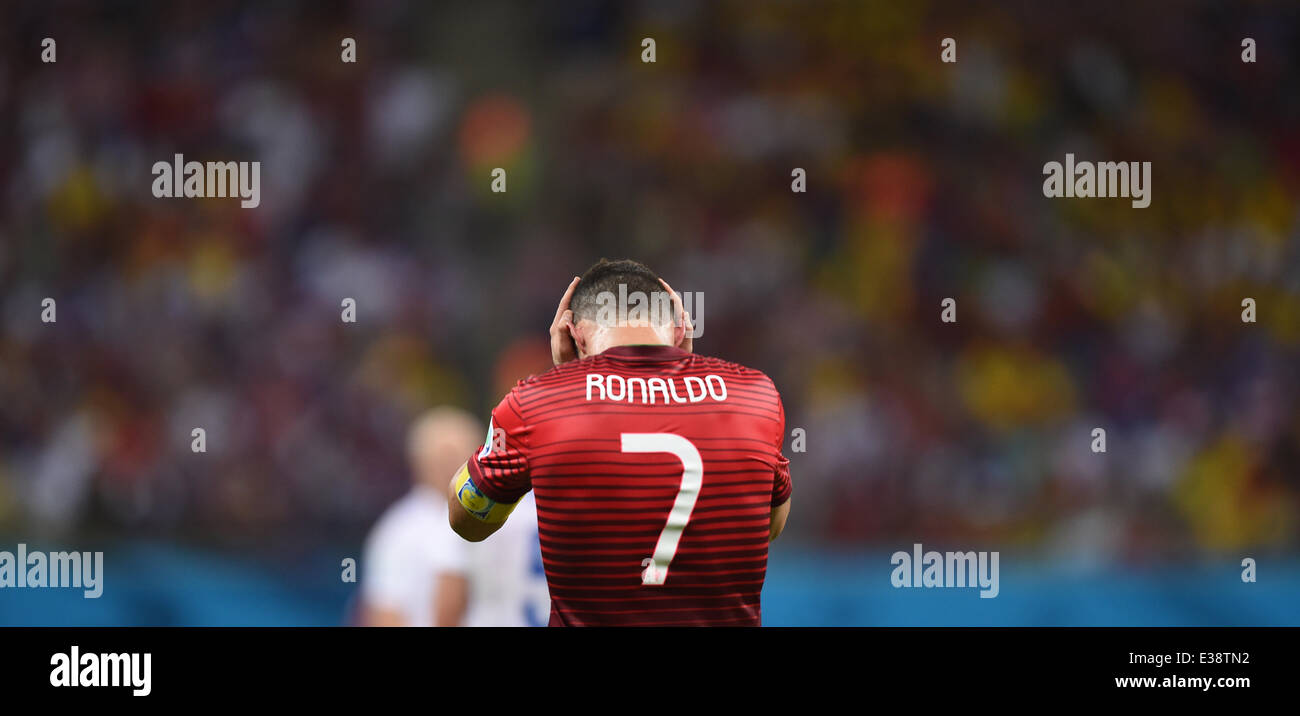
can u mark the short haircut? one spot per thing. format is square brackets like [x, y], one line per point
[606, 277]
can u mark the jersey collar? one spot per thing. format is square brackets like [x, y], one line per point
[645, 353]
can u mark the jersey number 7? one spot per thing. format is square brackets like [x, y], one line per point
[656, 566]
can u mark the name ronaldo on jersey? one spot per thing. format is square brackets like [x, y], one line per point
[616, 388]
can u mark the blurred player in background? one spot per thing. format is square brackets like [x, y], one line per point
[416, 572]
[658, 474]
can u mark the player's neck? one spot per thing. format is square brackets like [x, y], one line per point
[627, 336]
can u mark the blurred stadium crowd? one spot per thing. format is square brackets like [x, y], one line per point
[923, 182]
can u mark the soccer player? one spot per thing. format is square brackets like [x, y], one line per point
[415, 572]
[658, 473]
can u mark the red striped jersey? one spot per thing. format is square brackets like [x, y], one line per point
[655, 472]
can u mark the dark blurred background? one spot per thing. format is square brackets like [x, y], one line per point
[924, 181]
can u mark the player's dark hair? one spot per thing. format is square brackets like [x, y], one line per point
[606, 275]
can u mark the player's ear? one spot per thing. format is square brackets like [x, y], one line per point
[576, 329]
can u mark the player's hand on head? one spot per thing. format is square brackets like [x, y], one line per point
[683, 319]
[563, 349]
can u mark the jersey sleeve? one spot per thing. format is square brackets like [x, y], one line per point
[500, 467]
[781, 486]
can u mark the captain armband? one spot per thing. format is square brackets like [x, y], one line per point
[478, 504]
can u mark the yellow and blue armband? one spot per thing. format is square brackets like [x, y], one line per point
[478, 504]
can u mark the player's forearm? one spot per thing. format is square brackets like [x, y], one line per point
[780, 514]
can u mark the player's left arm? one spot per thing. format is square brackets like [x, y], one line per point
[486, 489]
[473, 515]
